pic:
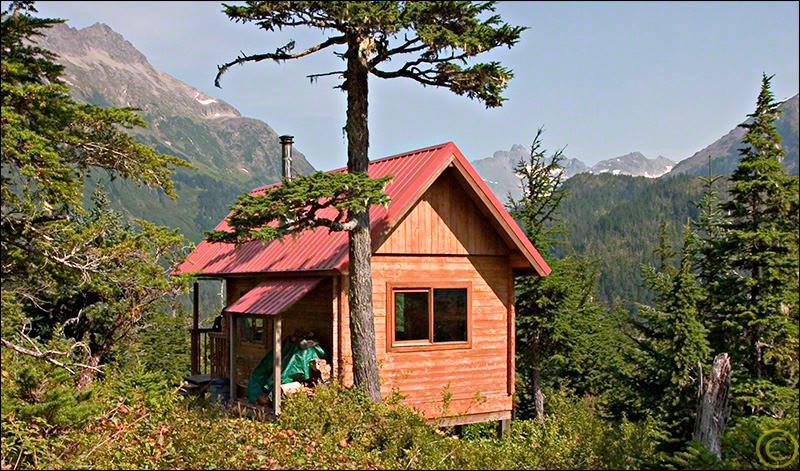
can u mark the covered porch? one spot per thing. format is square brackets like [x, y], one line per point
[260, 315]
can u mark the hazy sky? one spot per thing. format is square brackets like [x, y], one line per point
[603, 78]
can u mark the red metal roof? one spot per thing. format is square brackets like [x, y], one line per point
[320, 250]
[273, 296]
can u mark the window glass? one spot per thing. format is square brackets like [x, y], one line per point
[411, 315]
[252, 329]
[450, 315]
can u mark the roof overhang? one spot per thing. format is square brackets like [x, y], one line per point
[273, 296]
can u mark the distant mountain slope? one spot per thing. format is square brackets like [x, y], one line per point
[498, 170]
[724, 152]
[634, 164]
[232, 153]
[616, 218]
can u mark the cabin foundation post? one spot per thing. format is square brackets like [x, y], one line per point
[232, 350]
[195, 330]
[276, 363]
[503, 428]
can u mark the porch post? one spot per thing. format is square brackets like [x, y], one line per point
[503, 428]
[195, 331]
[276, 362]
[232, 350]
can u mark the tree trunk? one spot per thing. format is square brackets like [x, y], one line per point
[362, 323]
[538, 396]
[712, 407]
[86, 376]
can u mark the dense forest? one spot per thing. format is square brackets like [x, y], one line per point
[616, 220]
[617, 363]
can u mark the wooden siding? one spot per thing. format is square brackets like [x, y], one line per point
[345, 360]
[313, 313]
[473, 374]
[445, 221]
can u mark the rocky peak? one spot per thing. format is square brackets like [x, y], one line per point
[103, 68]
[230, 153]
[76, 42]
[635, 164]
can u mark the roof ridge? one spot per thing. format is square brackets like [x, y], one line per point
[382, 159]
[402, 154]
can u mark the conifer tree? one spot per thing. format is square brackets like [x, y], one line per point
[564, 338]
[539, 300]
[753, 295]
[431, 41]
[674, 339]
[69, 273]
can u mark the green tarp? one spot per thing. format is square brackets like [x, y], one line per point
[294, 367]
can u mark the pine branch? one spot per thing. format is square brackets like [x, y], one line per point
[299, 204]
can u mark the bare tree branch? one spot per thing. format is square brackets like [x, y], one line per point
[47, 356]
[279, 55]
[313, 77]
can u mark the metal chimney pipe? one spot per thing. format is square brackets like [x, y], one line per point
[286, 155]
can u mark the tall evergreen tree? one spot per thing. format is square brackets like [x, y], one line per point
[430, 39]
[538, 301]
[752, 303]
[564, 338]
[69, 272]
[672, 337]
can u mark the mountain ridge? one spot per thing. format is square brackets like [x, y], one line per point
[724, 152]
[498, 171]
[232, 153]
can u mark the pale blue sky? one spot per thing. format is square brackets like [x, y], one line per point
[604, 78]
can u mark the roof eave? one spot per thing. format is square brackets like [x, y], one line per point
[493, 205]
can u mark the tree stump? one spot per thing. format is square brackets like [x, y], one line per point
[712, 408]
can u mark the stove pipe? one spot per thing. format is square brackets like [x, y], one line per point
[286, 156]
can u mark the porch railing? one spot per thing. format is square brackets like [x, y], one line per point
[205, 355]
[219, 355]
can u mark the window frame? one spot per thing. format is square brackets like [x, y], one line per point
[393, 345]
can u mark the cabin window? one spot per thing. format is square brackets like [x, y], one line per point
[429, 317]
[253, 330]
[411, 315]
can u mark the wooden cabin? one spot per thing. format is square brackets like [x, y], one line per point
[445, 254]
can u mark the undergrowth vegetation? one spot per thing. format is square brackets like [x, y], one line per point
[134, 418]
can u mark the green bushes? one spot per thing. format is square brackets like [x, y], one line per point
[573, 436]
[133, 418]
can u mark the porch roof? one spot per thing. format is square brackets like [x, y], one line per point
[273, 296]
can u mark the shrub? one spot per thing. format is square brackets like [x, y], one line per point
[134, 419]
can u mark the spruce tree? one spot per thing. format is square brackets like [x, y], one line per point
[565, 340]
[752, 303]
[674, 340]
[432, 42]
[75, 282]
[538, 301]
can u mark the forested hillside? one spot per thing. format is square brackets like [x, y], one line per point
[230, 153]
[616, 219]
